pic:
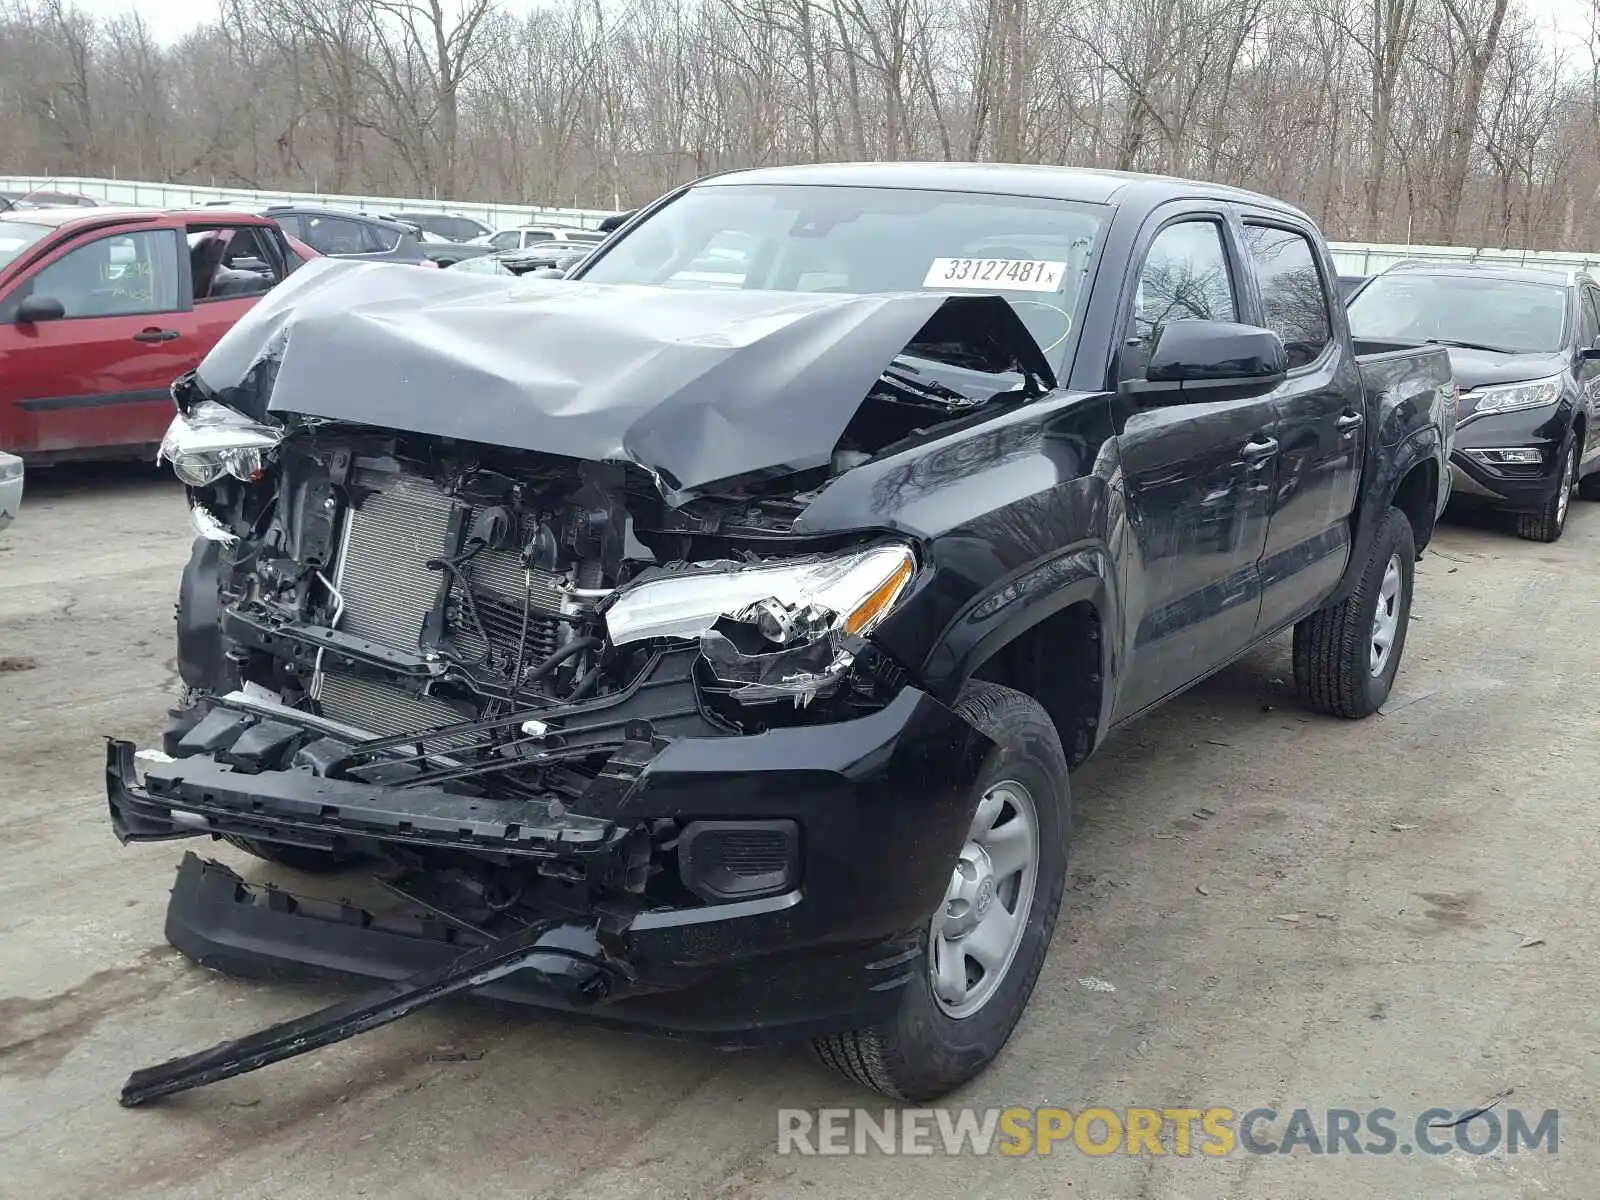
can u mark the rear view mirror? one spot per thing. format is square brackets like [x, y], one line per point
[1214, 360]
[40, 308]
[1591, 351]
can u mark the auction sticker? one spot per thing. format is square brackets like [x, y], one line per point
[996, 274]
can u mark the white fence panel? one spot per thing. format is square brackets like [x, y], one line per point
[184, 195]
[1359, 258]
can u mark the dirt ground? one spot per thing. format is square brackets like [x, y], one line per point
[1419, 852]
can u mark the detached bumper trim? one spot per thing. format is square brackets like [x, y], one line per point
[301, 809]
[561, 959]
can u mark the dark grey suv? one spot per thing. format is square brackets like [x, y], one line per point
[341, 233]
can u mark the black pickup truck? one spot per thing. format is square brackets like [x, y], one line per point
[704, 642]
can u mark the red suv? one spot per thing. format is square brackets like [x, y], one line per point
[101, 309]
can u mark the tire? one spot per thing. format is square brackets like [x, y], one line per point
[299, 858]
[929, 1047]
[1547, 523]
[1334, 668]
[1589, 486]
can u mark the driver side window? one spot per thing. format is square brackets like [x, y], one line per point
[1184, 278]
[123, 274]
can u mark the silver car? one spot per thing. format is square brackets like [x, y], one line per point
[10, 487]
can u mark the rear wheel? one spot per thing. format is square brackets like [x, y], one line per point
[985, 946]
[1346, 656]
[1546, 524]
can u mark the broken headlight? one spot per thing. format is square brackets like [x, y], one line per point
[774, 630]
[211, 440]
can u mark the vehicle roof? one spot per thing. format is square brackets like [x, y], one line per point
[110, 215]
[1489, 270]
[1008, 179]
[328, 210]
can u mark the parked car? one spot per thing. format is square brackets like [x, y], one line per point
[526, 235]
[1350, 284]
[1525, 349]
[337, 233]
[714, 660]
[560, 256]
[482, 264]
[101, 308]
[450, 226]
[40, 198]
[448, 254]
[11, 478]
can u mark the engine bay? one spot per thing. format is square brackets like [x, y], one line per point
[448, 606]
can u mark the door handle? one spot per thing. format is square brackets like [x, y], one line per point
[156, 335]
[1255, 451]
[1350, 420]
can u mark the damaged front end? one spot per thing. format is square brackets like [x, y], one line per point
[610, 700]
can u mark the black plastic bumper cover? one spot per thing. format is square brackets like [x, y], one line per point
[882, 802]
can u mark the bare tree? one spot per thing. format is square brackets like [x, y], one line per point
[1388, 119]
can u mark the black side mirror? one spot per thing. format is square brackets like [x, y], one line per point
[1213, 360]
[1591, 351]
[40, 308]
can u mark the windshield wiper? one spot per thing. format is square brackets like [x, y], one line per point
[1469, 345]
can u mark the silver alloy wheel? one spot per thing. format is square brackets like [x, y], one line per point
[1569, 468]
[1386, 620]
[979, 926]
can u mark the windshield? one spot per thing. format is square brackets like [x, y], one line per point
[806, 238]
[17, 236]
[1508, 315]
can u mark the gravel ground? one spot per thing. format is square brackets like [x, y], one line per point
[1419, 851]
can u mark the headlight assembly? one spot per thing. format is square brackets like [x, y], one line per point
[769, 631]
[210, 441]
[1512, 397]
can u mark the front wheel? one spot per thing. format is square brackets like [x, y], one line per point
[983, 949]
[1547, 524]
[1346, 656]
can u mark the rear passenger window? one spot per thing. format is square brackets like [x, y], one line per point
[1292, 295]
[1184, 278]
[331, 235]
[376, 239]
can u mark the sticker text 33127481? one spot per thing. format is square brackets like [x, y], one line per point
[996, 274]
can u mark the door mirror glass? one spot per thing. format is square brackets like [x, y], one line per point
[1200, 359]
[40, 308]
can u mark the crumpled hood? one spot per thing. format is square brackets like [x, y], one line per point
[695, 386]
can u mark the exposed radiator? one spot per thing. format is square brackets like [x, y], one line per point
[388, 592]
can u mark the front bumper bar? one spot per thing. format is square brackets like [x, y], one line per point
[882, 802]
[199, 795]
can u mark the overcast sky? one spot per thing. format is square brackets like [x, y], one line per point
[1566, 20]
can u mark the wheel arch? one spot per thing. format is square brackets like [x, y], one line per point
[1045, 633]
[1416, 496]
